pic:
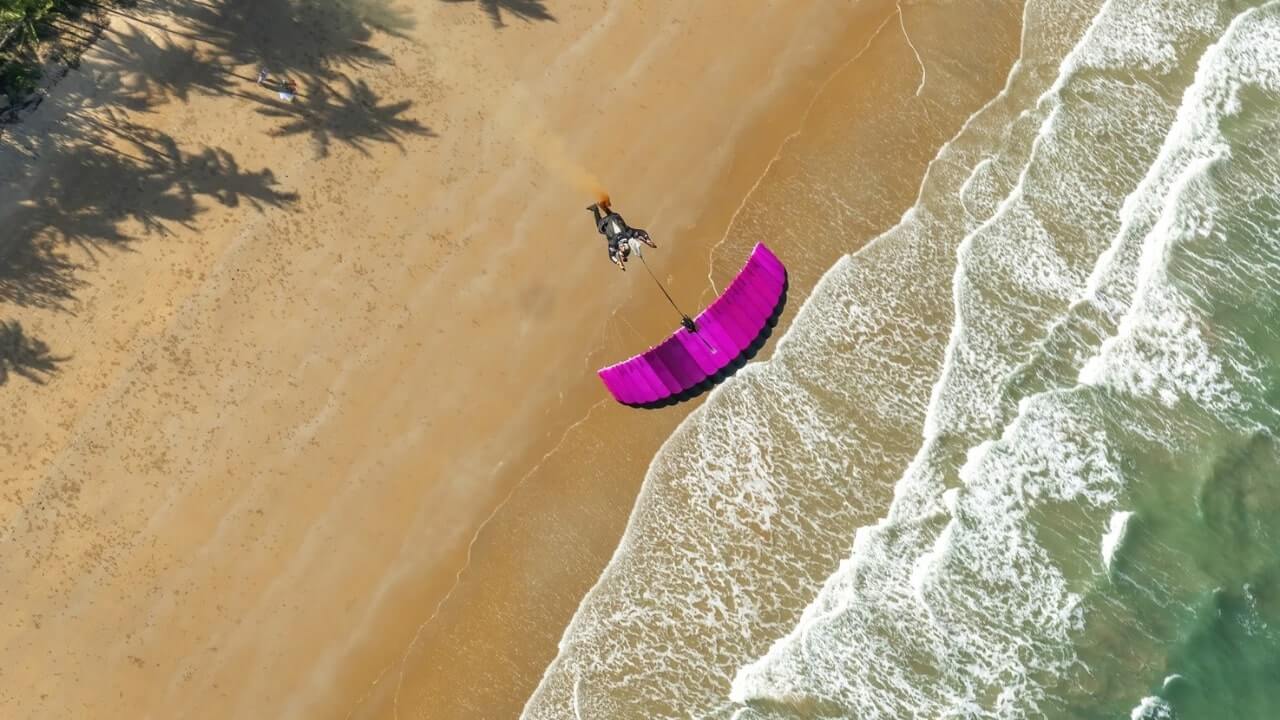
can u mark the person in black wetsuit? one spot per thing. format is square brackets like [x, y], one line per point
[617, 233]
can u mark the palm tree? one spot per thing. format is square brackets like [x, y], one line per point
[22, 17]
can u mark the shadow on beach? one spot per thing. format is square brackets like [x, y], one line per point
[318, 45]
[23, 355]
[81, 184]
[349, 113]
[73, 191]
[82, 187]
[526, 10]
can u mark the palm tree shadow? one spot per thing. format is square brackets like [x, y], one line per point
[89, 188]
[37, 273]
[355, 117]
[175, 70]
[311, 40]
[385, 15]
[96, 183]
[300, 37]
[526, 10]
[23, 355]
[314, 42]
[89, 184]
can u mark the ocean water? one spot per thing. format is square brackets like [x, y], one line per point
[1015, 458]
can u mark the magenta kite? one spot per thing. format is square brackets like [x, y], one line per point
[724, 336]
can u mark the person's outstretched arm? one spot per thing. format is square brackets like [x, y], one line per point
[643, 237]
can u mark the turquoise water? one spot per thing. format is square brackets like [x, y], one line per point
[1017, 457]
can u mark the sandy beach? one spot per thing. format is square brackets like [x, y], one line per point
[303, 420]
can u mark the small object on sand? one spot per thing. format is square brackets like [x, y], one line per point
[262, 76]
[289, 91]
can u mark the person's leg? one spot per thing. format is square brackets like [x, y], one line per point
[595, 212]
[618, 253]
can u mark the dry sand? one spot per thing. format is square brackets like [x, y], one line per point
[281, 362]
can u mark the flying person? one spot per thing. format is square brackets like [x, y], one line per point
[617, 233]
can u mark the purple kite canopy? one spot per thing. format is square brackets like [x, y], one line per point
[730, 331]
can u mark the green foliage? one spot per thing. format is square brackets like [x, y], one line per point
[21, 22]
[17, 79]
[25, 15]
[18, 10]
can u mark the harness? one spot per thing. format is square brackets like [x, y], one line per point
[616, 232]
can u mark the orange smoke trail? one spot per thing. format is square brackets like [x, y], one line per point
[556, 158]
[550, 151]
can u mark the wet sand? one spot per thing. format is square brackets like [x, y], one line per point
[316, 432]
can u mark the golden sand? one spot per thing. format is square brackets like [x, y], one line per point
[320, 435]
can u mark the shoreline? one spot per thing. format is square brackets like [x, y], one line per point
[587, 540]
[241, 439]
[647, 429]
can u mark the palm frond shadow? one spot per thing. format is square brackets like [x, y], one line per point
[97, 183]
[526, 10]
[25, 356]
[316, 43]
[354, 116]
[94, 187]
